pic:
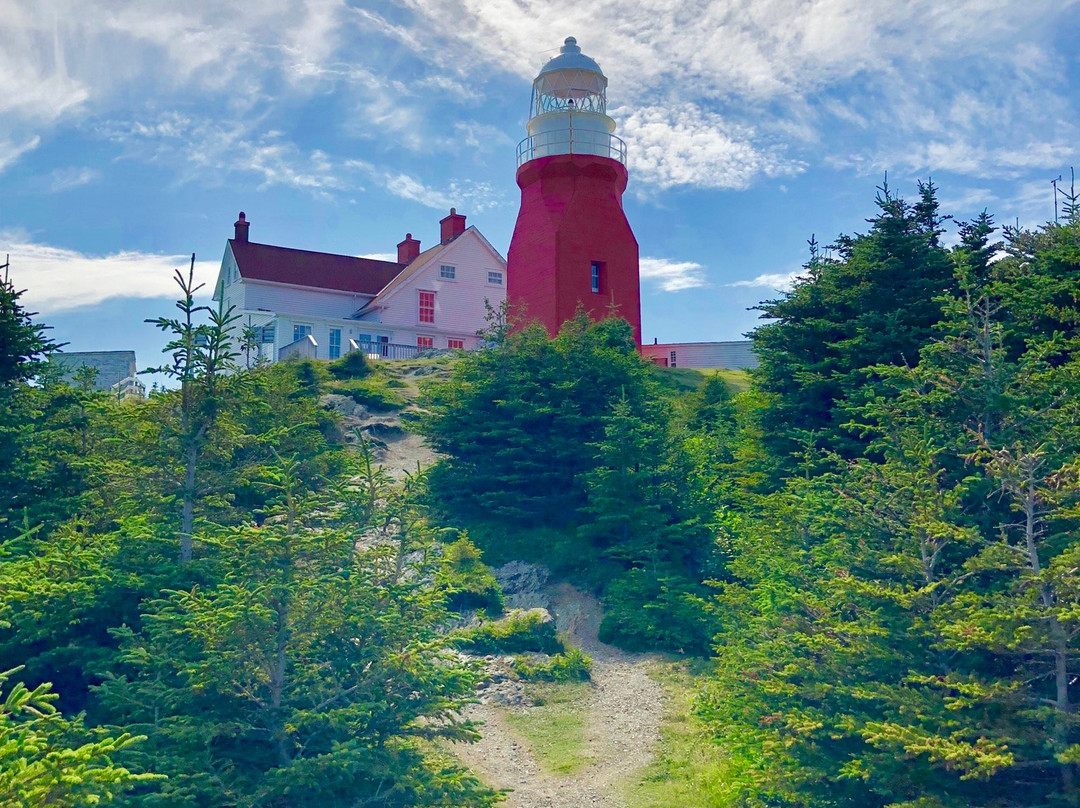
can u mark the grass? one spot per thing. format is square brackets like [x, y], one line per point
[690, 379]
[401, 371]
[689, 769]
[555, 728]
[375, 392]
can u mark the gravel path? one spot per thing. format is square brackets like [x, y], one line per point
[624, 712]
[625, 705]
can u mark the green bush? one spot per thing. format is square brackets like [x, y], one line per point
[353, 365]
[517, 633]
[373, 392]
[467, 581]
[644, 612]
[311, 374]
[573, 666]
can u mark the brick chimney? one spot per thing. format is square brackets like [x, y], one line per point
[242, 225]
[452, 226]
[408, 249]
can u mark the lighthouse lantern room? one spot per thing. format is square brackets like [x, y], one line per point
[572, 244]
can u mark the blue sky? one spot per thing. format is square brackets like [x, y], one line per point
[132, 132]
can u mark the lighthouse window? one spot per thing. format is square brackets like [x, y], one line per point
[427, 307]
[597, 271]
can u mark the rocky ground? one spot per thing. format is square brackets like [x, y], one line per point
[623, 711]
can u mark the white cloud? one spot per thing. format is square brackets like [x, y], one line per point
[673, 276]
[964, 200]
[1032, 203]
[465, 195]
[64, 179]
[696, 148]
[710, 93]
[11, 152]
[780, 281]
[383, 256]
[718, 94]
[207, 151]
[966, 155]
[59, 279]
[411, 188]
[482, 136]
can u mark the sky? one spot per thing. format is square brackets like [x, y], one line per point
[133, 132]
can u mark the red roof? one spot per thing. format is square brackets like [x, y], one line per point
[344, 273]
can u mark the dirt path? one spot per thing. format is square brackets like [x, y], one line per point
[624, 706]
[624, 712]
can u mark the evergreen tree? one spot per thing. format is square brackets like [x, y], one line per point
[24, 347]
[46, 759]
[874, 303]
[201, 356]
[519, 421]
[901, 632]
[313, 674]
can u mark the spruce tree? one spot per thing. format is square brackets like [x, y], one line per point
[873, 301]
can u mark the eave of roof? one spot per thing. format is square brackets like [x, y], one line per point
[421, 261]
[413, 267]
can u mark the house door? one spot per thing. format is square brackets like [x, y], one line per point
[384, 345]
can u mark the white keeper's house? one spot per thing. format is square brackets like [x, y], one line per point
[322, 305]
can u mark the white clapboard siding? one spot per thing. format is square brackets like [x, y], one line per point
[734, 355]
[228, 287]
[300, 301]
[459, 303]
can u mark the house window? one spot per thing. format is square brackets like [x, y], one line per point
[425, 342]
[495, 278]
[597, 271]
[300, 331]
[447, 272]
[427, 307]
[671, 360]
[335, 343]
[455, 343]
[266, 333]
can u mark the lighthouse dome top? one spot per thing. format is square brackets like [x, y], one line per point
[571, 58]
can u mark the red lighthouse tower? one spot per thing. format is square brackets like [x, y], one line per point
[572, 244]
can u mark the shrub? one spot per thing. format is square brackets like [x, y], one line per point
[517, 633]
[373, 392]
[573, 666]
[309, 373]
[353, 365]
[467, 581]
[660, 613]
